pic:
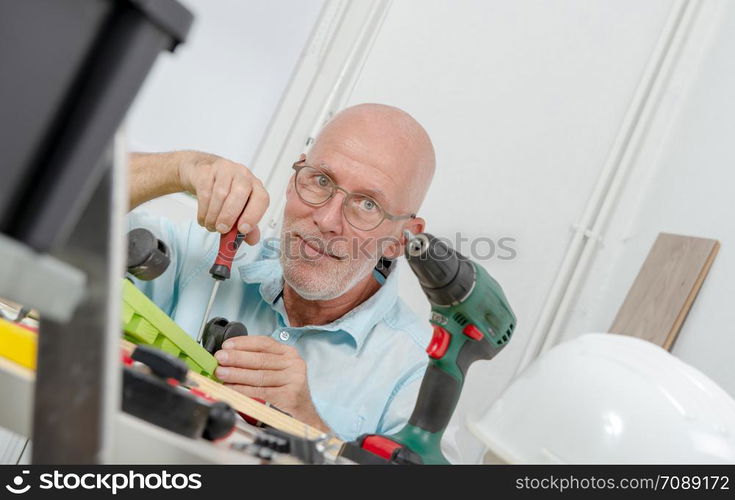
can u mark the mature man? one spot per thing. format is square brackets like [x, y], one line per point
[330, 341]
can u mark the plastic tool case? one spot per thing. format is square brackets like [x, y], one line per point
[70, 70]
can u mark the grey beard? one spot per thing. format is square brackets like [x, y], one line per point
[313, 291]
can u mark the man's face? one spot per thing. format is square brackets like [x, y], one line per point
[323, 256]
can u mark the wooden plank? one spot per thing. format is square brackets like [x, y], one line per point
[239, 402]
[236, 400]
[664, 290]
[251, 407]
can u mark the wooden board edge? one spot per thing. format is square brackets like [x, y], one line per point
[684, 312]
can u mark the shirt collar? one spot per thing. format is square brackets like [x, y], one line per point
[357, 323]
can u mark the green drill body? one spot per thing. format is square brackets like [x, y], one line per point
[487, 308]
[472, 320]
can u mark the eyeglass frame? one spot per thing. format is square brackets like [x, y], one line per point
[347, 194]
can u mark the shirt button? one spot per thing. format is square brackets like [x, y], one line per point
[284, 335]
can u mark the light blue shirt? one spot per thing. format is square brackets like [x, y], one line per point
[364, 369]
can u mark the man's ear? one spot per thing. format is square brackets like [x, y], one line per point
[395, 249]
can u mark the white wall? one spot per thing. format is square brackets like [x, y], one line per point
[219, 90]
[682, 182]
[523, 101]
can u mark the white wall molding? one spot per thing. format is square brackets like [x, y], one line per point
[632, 228]
[642, 132]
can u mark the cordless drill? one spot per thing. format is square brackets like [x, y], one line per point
[472, 320]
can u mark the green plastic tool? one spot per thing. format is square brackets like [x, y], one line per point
[472, 320]
[145, 323]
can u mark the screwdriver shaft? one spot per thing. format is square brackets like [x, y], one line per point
[212, 295]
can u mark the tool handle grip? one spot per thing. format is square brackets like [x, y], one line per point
[228, 245]
[444, 378]
[436, 401]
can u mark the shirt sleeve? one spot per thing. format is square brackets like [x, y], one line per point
[163, 290]
[401, 403]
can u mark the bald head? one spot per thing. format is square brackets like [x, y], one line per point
[388, 139]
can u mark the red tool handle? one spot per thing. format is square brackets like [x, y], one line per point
[228, 245]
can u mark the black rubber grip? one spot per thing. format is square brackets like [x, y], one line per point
[161, 363]
[440, 391]
[473, 351]
[221, 420]
[148, 257]
[437, 398]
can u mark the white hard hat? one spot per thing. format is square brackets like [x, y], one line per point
[608, 398]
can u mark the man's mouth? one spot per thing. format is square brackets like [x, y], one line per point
[313, 251]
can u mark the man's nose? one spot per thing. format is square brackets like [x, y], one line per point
[328, 217]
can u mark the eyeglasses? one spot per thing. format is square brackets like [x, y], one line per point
[316, 188]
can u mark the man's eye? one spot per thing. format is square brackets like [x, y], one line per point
[368, 205]
[322, 180]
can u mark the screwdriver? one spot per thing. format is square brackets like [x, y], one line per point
[220, 270]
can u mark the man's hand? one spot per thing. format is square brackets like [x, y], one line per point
[227, 192]
[263, 368]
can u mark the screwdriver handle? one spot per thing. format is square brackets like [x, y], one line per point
[228, 245]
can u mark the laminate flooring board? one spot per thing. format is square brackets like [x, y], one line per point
[663, 292]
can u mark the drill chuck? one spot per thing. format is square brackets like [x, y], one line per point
[446, 276]
[417, 245]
